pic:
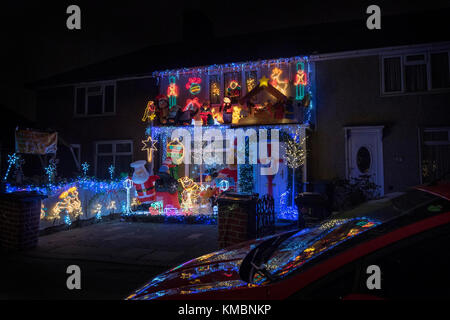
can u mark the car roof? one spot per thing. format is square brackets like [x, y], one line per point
[441, 189]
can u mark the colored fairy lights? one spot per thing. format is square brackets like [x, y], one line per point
[193, 85]
[149, 113]
[111, 171]
[280, 85]
[300, 81]
[172, 91]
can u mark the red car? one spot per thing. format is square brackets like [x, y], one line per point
[406, 237]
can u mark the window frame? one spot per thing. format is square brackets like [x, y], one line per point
[77, 146]
[403, 63]
[113, 153]
[103, 86]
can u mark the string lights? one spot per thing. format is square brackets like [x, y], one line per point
[12, 161]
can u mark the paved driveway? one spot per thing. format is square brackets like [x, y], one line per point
[155, 244]
[114, 257]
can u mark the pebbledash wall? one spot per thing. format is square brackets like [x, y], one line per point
[349, 94]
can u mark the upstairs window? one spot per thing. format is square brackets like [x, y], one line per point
[95, 100]
[416, 73]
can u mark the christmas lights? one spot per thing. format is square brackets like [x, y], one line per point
[193, 85]
[85, 168]
[111, 171]
[172, 91]
[149, 113]
[300, 81]
[280, 85]
[12, 161]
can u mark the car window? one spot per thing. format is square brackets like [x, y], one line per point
[417, 267]
[307, 245]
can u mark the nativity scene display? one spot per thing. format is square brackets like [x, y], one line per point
[272, 93]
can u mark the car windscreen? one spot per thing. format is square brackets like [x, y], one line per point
[306, 245]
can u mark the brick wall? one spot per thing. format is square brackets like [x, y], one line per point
[19, 221]
[236, 222]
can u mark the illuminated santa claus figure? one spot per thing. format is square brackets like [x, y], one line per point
[143, 182]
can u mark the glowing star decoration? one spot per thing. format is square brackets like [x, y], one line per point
[12, 161]
[149, 113]
[264, 82]
[172, 91]
[128, 184]
[149, 146]
[191, 192]
[69, 203]
[85, 168]
[276, 82]
[111, 171]
[175, 151]
[300, 81]
[193, 85]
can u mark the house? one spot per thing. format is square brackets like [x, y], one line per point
[369, 102]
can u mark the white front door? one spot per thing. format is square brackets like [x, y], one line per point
[364, 154]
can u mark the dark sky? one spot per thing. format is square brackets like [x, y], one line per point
[38, 43]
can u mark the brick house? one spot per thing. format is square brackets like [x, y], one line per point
[380, 98]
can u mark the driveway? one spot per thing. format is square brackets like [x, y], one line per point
[114, 257]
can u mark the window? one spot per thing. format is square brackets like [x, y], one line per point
[117, 153]
[415, 72]
[435, 153]
[95, 100]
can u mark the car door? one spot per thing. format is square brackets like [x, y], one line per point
[414, 268]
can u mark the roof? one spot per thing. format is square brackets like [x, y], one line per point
[396, 30]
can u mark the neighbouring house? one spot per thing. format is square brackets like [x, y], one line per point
[366, 102]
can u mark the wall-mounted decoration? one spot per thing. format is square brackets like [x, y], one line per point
[277, 82]
[193, 85]
[300, 81]
[172, 91]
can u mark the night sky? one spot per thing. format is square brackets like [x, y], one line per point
[37, 44]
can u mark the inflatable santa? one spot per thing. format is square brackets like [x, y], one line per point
[143, 182]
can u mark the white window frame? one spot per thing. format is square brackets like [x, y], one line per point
[403, 63]
[102, 86]
[113, 152]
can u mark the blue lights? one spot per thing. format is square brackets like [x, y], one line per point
[12, 161]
